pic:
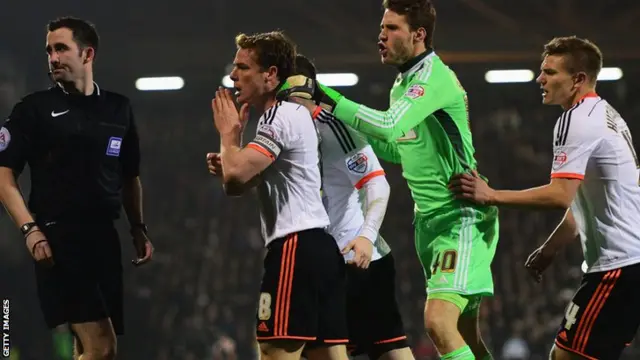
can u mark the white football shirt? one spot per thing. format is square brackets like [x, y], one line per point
[290, 192]
[348, 162]
[592, 142]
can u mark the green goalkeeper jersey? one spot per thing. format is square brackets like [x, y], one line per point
[426, 129]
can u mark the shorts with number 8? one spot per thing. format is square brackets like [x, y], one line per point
[456, 250]
[303, 294]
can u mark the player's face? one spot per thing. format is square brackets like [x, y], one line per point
[249, 79]
[66, 60]
[557, 84]
[395, 42]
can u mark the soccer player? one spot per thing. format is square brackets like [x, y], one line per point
[356, 194]
[302, 295]
[426, 129]
[594, 175]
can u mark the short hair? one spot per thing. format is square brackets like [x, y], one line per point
[84, 32]
[419, 14]
[305, 67]
[271, 49]
[581, 55]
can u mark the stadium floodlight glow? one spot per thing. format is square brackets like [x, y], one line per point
[508, 76]
[610, 74]
[227, 82]
[338, 79]
[329, 79]
[162, 83]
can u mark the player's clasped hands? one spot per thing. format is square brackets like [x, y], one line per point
[225, 114]
[469, 186]
[363, 250]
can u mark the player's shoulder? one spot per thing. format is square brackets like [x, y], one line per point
[337, 138]
[285, 112]
[585, 120]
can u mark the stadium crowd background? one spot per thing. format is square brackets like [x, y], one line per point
[196, 300]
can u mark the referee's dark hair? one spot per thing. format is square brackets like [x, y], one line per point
[305, 67]
[84, 32]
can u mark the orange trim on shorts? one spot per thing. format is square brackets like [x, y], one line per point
[368, 177]
[285, 282]
[566, 348]
[339, 341]
[261, 150]
[263, 338]
[567, 176]
[594, 307]
[399, 338]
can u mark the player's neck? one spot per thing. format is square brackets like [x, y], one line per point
[265, 103]
[579, 96]
[419, 53]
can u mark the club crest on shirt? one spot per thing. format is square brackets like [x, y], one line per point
[5, 138]
[113, 149]
[358, 163]
[414, 92]
[559, 159]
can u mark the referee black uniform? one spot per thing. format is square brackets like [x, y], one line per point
[79, 149]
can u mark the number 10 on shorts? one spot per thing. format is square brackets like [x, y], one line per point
[448, 264]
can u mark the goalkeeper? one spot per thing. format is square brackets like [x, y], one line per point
[426, 129]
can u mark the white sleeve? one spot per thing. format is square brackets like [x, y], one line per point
[365, 172]
[273, 132]
[574, 142]
[377, 191]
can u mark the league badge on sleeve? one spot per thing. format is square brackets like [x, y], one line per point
[5, 138]
[559, 159]
[358, 163]
[113, 149]
[414, 92]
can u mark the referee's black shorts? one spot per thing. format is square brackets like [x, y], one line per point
[302, 295]
[85, 282]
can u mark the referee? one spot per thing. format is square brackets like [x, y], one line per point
[81, 144]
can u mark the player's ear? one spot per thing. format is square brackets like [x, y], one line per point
[419, 35]
[580, 79]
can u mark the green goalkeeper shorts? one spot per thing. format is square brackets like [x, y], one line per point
[456, 250]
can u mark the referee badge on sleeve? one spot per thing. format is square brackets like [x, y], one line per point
[113, 149]
[5, 138]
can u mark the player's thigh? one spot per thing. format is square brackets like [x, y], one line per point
[602, 319]
[280, 349]
[373, 315]
[330, 352]
[287, 303]
[461, 255]
[330, 270]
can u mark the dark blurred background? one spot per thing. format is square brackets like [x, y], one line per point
[196, 300]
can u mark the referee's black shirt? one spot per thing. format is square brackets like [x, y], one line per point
[79, 149]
